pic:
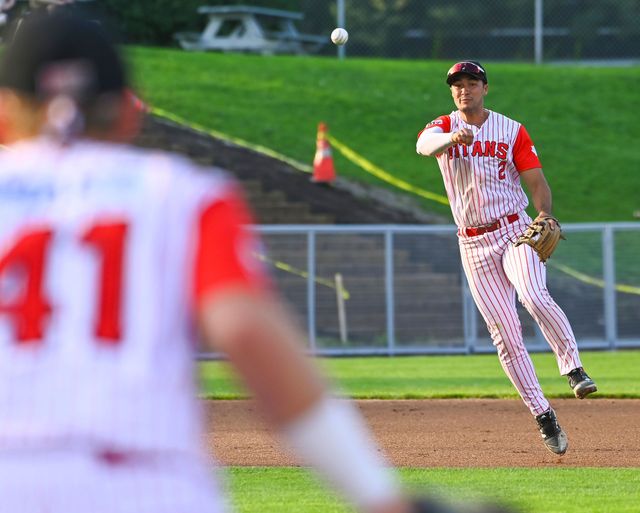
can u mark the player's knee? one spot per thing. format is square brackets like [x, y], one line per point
[508, 343]
[509, 351]
[537, 302]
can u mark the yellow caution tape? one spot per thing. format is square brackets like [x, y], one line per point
[596, 282]
[299, 272]
[351, 155]
[235, 140]
[371, 168]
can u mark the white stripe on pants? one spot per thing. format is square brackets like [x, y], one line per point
[496, 271]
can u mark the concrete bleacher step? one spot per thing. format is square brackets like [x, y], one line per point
[252, 188]
[329, 204]
[273, 206]
[348, 255]
[263, 200]
[412, 277]
[376, 309]
[371, 276]
[289, 215]
[423, 298]
[425, 291]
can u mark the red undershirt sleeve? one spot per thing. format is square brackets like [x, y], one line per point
[227, 249]
[524, 152]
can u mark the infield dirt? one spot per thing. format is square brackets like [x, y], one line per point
[451, 433]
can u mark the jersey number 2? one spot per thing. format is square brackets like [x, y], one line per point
[501, 169]
[31, 309]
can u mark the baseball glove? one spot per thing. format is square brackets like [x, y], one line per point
[542, 236]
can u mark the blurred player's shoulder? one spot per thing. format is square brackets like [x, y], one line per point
[92, 157]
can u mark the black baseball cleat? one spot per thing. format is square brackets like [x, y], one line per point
[552, 434]
[581, 384]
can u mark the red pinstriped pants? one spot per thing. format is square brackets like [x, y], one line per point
[496, 272]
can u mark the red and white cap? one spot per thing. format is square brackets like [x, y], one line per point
[471, 68]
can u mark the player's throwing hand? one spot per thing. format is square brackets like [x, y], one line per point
[462, 136]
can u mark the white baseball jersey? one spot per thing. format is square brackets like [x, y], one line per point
[483, 180]
[488, 204]
[105, 252]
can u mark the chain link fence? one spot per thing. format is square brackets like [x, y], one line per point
[400, 289]
[602, 31]
[509, 30]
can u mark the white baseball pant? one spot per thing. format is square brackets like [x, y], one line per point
[496, 271]
[57, 481]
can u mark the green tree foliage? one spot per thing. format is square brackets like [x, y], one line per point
[152, 21]
[434, 29]
[594, 27]
[439, 29]
[493, 29]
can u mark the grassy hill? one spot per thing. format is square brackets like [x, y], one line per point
[581, 119]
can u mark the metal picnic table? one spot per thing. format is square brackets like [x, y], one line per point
[242, 28]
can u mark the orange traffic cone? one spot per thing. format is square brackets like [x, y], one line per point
[323, 170]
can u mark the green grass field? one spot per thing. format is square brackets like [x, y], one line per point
[532, 490]
[575, 490]
[418, 377]
[582, 119]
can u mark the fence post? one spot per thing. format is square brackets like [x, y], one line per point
[609, 275]
[389, 288]
[538, 31]
[340, 23]
[311, 289]
[468, 315]
[342, 314]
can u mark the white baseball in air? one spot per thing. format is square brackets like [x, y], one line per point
[339, 36]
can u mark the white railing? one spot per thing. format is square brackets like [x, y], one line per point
[399, 289]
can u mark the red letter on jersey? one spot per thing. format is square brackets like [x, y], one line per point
[108, 239]
[23, 265]
[26, 260]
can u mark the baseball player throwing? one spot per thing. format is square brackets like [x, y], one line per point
[483, 157]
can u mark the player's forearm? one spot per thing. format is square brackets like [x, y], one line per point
[264, 347]
[333, 439]
[541, 196]
[430, 144]
[327, 434]
[542, 199]
[539, 190]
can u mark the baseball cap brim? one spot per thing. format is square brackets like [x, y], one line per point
[469, 68]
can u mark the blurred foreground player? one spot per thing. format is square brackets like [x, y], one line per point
[109, 256]
[110, 259]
